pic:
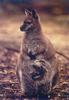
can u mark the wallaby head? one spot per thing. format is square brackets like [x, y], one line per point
[31, 22]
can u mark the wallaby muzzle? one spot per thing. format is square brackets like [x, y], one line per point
[26, 27]
[23, 27]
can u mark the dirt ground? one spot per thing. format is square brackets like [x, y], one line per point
[56, 28]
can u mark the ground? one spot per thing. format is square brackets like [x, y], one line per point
[56, 28]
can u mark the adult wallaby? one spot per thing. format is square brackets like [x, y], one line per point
[37, 64]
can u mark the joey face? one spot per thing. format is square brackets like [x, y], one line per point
[31, 22]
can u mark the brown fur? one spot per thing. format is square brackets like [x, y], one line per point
[35, 47]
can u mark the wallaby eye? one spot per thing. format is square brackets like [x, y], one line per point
[27, 22]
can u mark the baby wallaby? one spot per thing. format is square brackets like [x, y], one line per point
[33, 79]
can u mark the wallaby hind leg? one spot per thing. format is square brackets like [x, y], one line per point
[32, 98]
[20, 78]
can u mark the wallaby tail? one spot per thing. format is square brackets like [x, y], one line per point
[62, 55]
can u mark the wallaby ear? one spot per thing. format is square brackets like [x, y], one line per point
[31, 12]
[28, 12]
[34, 14]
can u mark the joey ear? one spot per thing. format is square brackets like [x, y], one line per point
[31, 12]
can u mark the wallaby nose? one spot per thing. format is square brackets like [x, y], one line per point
[21, 28]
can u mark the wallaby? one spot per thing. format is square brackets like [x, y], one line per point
[37, 64]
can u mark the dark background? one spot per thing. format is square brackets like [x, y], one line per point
[49, 6]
